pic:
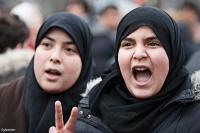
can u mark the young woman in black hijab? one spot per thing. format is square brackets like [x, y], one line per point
[59, 70]
[149, 91]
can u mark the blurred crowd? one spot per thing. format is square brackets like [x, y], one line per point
[19, 26]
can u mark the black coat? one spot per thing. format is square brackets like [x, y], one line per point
[184, 119]
[193, 63]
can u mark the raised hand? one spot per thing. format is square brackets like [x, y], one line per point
[60, 127]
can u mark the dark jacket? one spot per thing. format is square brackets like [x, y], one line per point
[12, 113]
[184, 121]
[193, 63]
[103, 53]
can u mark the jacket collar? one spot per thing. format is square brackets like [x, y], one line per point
[191, 92]
[195, 78]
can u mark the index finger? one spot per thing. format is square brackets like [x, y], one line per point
[59, 122]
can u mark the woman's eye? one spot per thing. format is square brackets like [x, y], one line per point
[126, 44]
[46, 45]
[70, 50]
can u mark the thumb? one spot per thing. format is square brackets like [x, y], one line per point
[52, 129]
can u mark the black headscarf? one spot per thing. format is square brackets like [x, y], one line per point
[39, 105]
[112, 101]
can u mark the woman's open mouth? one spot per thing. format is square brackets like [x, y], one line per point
[52, 74]
[141, 73]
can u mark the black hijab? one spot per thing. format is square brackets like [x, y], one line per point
[39, 105]
[112, 101]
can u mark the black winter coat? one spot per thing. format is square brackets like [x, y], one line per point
[193, 63]
[184, 121]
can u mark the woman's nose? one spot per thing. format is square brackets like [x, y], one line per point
[139, 53]
[55, 56]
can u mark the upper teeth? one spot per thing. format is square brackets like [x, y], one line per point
[140, 68]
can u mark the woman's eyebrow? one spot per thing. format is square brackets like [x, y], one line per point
[152, 38]
[146, 39]
[69, 42]
[49, 38]
[128, 39]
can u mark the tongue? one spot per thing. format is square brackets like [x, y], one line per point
[142, 76]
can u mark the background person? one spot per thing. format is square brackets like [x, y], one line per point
[14, 55]
[30, 13]
[104, 31]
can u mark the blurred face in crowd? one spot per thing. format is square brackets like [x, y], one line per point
[143, 63]
[57, 63]
[111, 18]
[76, 8]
